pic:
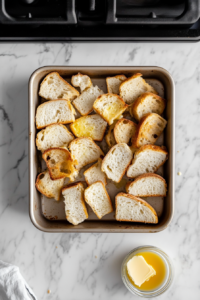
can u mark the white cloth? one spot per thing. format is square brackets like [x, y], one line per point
[12, 284]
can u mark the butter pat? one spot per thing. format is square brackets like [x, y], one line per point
[139, 270]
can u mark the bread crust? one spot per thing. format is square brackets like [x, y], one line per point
[138, 200]
[69, 85]
[101, 114]
[150, 147]
[120, 77]
[104, 160]
[48, 166]
[135, 139]
[65, 122]
[117, 127]
[108, 135]
[82, 196]
[99, 217]
[141, 99]
[145, 176]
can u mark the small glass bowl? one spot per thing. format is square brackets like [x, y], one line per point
[168, 278]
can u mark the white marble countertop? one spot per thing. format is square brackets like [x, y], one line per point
[87, 266]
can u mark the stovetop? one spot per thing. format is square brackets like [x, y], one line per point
[99, 20]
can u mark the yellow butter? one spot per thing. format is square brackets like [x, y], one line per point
[139, 270]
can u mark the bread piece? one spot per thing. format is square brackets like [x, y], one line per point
[147, 103]
[149, 129]
[56, 135]
[94, 174]
[81, 81]
[54, 111]
[84, 103]
[60, 163]
[117, 161]
[113, 83]
[75, 208]
[132, 209]
[133, 87]
[147, 185]
[124, 130]
[157, 85]
[92, 126]
[49, 188]
[84, 151]
[110, 139]
[110, 107]
[98, 199]
[147, 159]
[55, 87]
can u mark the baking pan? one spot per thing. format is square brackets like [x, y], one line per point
[47, 214]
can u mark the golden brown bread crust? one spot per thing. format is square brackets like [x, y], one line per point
[125, 168]
[145, 176]
[107, 197]
[110, 135]
[120, 77]
[141, 99]
[139, 200]
[45, 103]
[101, 114]
[118, 124]
[82, 195]
[71, 87]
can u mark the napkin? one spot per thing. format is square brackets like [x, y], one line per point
[12, 284]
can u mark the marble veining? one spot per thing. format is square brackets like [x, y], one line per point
[87, 266]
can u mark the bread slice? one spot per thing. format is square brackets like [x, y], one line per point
[124, 130]
[92, 126]
[149, 129]
[110, 107]
[49, 188]
[110, 139]
[133, 87]
[147, 185]
[132, 209]
[147, 159]
[148, 103]
[60, 163]
[116, 161]
[98, 199]
[55, 87]
[75, 208]
[56, 135]
[84, 103]
[113, 83]
[81, 81]
[84, 151]
[94, 174]
[54, 111]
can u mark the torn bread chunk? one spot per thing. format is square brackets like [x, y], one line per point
[110, 107]
[147, 185]
[75, 208]
[133, 87]
[148, 103]
[81, 81]
[60, 163]
[48, 187]
[114, 82]
[133, 209]
[124, 131]
[149, 129]
[55, 111]
[98, 199]
[94, 173]
[55, 87]
[84, 103]
[116, 161]
[147, 159]
[56, 135]
[84, 151]
[92, 126]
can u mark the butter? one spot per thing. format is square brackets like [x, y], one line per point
[139, 270]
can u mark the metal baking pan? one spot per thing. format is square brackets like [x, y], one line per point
[48, 214]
